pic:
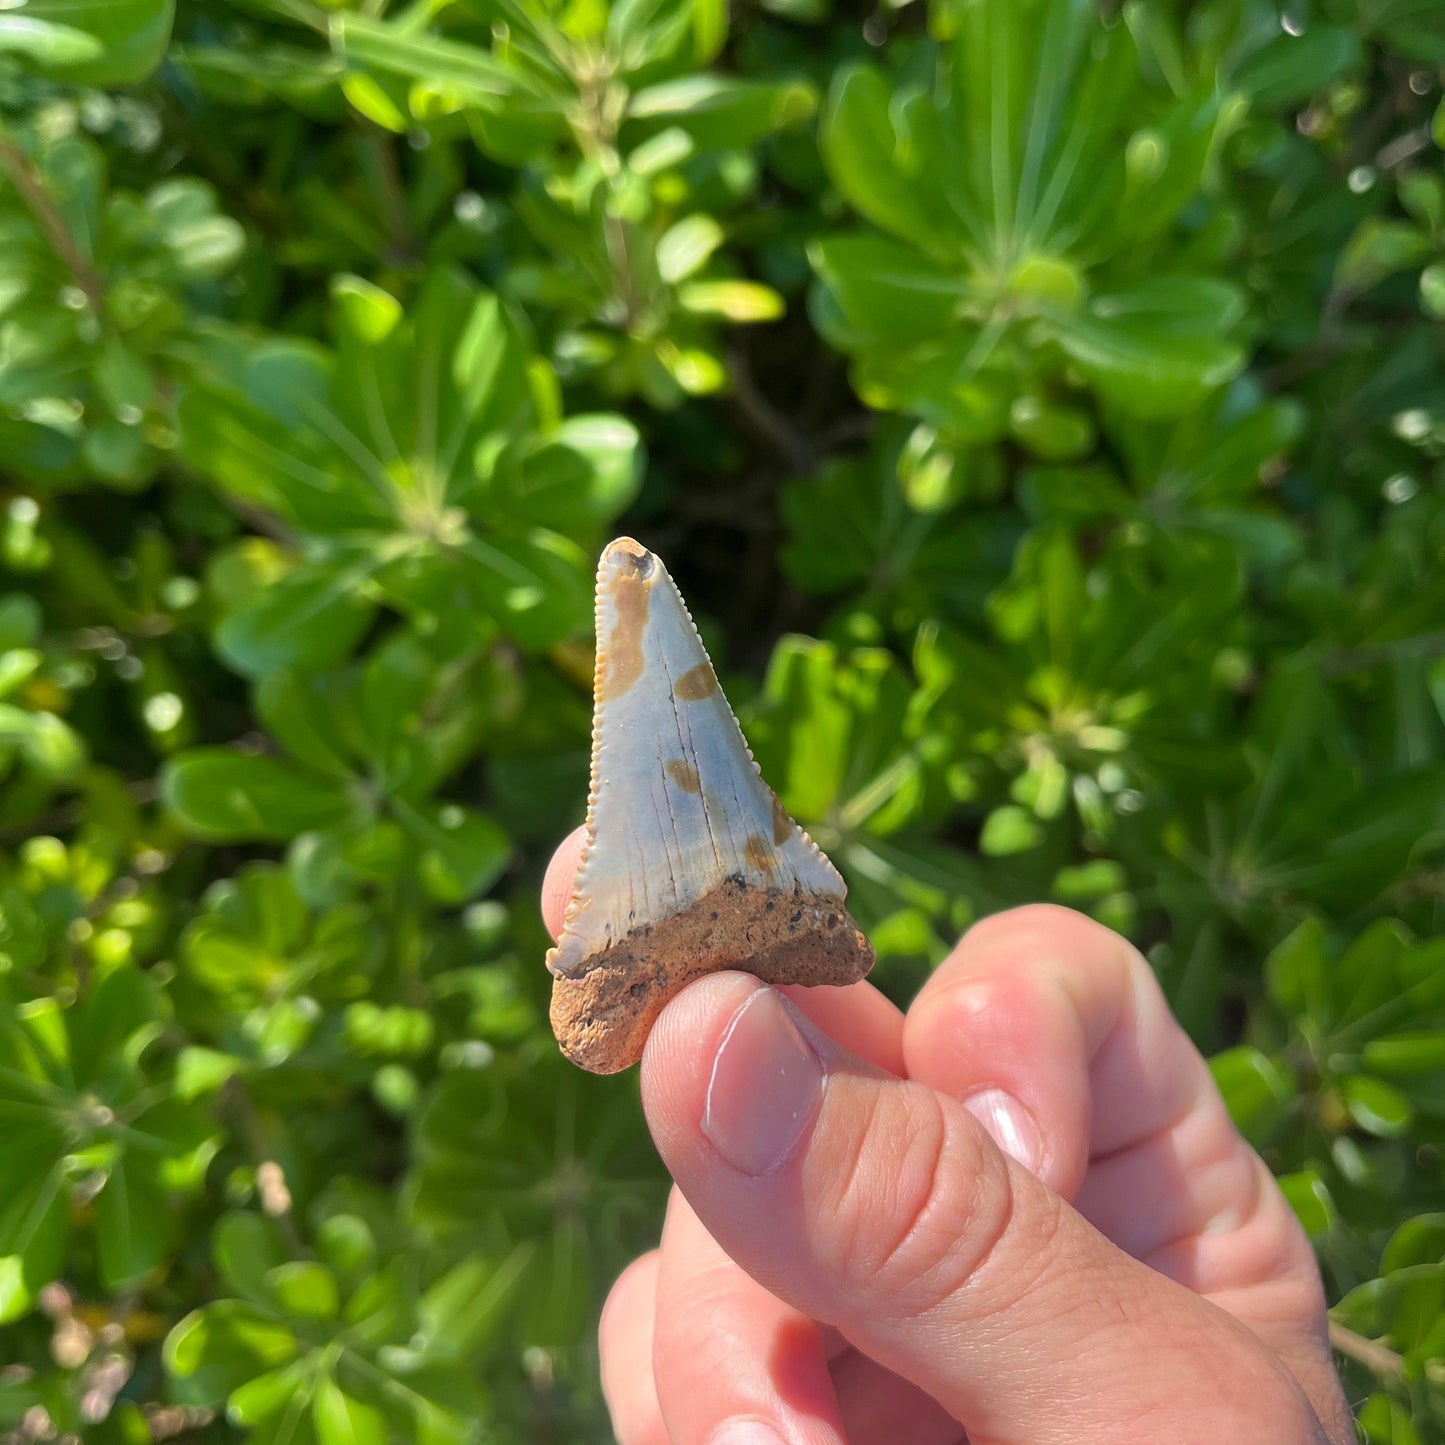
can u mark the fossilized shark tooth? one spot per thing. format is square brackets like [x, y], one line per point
[691, 864]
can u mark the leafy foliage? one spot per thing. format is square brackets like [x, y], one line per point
[1041, 403]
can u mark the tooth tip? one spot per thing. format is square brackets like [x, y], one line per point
[624, 549]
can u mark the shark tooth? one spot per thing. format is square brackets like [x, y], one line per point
[691, 864]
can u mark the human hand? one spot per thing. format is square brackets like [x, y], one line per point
[1018, 1215]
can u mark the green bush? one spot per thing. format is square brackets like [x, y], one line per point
[1043, 407]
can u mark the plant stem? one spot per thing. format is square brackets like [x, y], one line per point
[765, 419]
[595, 130]
[399, 233]
[1370, 1353]
[614, 230]
[1356, 659]
[16, 164]
[265, 1156]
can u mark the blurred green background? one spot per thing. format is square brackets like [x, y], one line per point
[1040, 405]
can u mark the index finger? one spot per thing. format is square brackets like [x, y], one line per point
[858, 1016]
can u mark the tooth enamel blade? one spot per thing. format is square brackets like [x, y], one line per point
[691, 864]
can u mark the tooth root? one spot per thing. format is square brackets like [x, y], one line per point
[691, 863]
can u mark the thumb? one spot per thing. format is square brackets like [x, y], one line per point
[881, 1207]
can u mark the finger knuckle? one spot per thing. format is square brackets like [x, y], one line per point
[1047, 939]
[920, 1205]
[1039, 919]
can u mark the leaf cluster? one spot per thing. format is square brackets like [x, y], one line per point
[1040, 402]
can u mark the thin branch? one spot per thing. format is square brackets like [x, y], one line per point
[765, 419]
[1396, 102]
[16, 164]
[1369, 1353]
[1357, 659]
[399, 232]
[65, 816]
[619, 254]
[258, 519]
[1380, 1359]
[276, 1198]
[1403, 148]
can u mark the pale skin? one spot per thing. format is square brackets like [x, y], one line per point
[1017, 1214]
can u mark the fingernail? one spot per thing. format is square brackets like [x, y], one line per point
[1010, 1125]
[765, 1087]
[744, 1432]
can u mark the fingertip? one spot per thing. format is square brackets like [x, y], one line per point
[630, 1303]
[561, 876]
[625, 1338]
[855, 1016]
[678, 1060]
[1036, 930]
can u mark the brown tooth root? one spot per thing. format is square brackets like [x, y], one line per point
[602, 1016]
[691, 864]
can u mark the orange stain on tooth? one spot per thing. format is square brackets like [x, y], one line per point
[684, 775]
[696, 683]
[630, 596]
[759, 853]
[782, 824]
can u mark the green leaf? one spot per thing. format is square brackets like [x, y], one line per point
[887, 160]
[1378, 249]
[20, 621]
[120, 1020]
[888, 291]
[293, 1424]
[203, 244]
[737, 301]
[1366, 976]
[278, 1393]
[181, 1137]
[46, 743]
[342, 1420]
[1310, 1199]
[1378, 1108]
[1292, 67]
[1297, 973]
[587, 469]
[1417, 1308]
[465, 71]
[1009, 830]
[1387, 1421]
[346, 1243]
[368, 312]
[89, 42]
[222, 795]
[132, 1222]
[723, 113]
[309, 619]
[684, 248]
[201, 1071]
[556, 1289]
[1432, 291]
[1406, 1055]
[537, 585]
[246, 1247]
[223, 1346]
[304, 1289]
[34, 1223]
[1256, 1090]
[463, 1313]
[1158, 347]
[463, 852]
[1420, 1240]
[262, 446]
